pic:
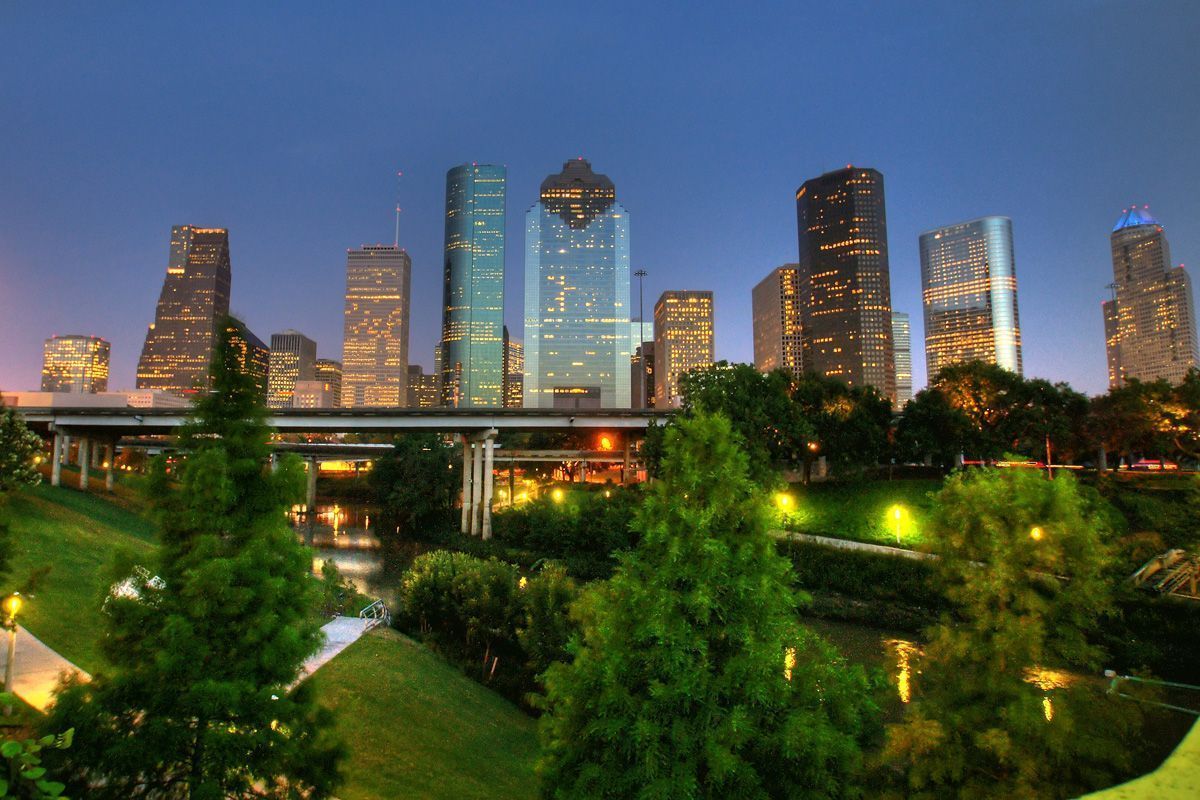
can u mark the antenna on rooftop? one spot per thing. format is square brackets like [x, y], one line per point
[399, 175]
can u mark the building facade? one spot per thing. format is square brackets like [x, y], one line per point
[845, 285]
[683, 340]
[313, 394]
[641, 376]
[473, 287]
[422, 388]
[902, 347]
[375, 332]
[77, 364]
[254, 356]
[194, 297]
[577, 340]
[969, 293]
[329, 371]
[1150, 324]
[514, 372]
[293, 359]
[776, 318]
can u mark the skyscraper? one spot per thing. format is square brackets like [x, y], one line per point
[77, 364]
[1150, 324]
[641, 376]
[577, 293]
[969, 289]
[776, 317]
[845, 288]
[902, 347]
[473, 287]
[329, 372]
[253, 355]
[514, 372]
[683, 340]
[293, 359]
[375, 336]
[422, 388]
[195, 295]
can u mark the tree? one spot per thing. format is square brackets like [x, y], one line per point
[930, 428]
[691, 676]
[1001, 704]
[198, 703]
[19, 451]
[417, 485]
[852, 423]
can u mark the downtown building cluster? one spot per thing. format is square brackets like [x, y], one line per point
[829, 312]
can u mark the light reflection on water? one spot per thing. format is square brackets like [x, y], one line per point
[342, 533]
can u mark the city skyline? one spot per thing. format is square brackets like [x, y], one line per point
[295, 194]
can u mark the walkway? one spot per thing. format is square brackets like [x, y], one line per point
[850, 544]
[340, 633]
[37, 669]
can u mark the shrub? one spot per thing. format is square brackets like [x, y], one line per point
[546, 626]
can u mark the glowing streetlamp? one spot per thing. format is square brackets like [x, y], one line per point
[897, 514]
[784, 501]
[557, 495]
[1036, 533]
[12, 606]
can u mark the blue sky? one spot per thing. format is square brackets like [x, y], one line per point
[287, 123]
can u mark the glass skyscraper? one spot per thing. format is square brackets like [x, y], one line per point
[902, 347]
[577, 322]
[969, 288]
[75, 364]
[473, 287]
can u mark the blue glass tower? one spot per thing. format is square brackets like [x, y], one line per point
[473, 290]
[577, 324]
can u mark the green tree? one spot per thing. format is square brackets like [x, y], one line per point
[852, 423]
[198, 703]
[691, 676]
[1002, 704]
[20, 449]
[417, 486]
[932, 429]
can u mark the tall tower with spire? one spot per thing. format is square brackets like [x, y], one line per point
[1150, 322]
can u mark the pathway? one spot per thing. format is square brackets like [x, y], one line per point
[37, 669]
[850, 544]
[340, 633]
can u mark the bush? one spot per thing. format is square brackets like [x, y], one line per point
[546, 626]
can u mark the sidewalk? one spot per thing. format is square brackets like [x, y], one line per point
[36, 670]
[340, 633]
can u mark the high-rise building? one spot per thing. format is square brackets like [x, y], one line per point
[313, 394]
[195, 295]
[514, 372]
[577, 293]
[969, 288]
[776, 314]
[253, 355]
[329, 371]
[422, 388]
[375, 335]
[293, 358]
[902, 347]
[473, 287]
[845, 288]
[76, 364]
[683, 340]
[1150, 324]
[641, 376]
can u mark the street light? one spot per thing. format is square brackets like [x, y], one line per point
[12, 606]
[784, 501]
[557, 494]
[897, 514]
[1036, 533]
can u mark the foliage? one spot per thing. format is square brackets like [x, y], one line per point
[861, 510]
[851, 423]
[996, 711]
[863, 575]
[19, 450]
[677, 687]
[338, 595]
[931, 428]
[1171, 512]
[1149, 419]
[546, 627]
[197, 703]
[417, 486]
[25, 776]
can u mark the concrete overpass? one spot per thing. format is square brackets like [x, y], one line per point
[97, 428]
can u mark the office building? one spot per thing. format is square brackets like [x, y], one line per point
[683, 340]
[577, 340]
[375, 332]
[76, 364]
[845, 288]
[514, 372]
[1150, 322]
[313, 394]
[902, 348]
[329, 371]
[776, 318]
[194, 297]
[969, 291]
[254, 356]
[641, 376]
[422, 388]
[293, 358]
[473, 288]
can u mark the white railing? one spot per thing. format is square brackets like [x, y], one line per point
[376, 614]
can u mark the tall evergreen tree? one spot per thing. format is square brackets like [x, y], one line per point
[197, 704]
[19, 451]
[692, 677]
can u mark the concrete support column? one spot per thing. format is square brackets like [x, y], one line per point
[489, 446]
[85, 462]
[1102, 459]
[110, 455]
[476, 485]
[56, 460]
[274, 463]
[625, 463]
[66, 449]
[97, 451]
[465, 526]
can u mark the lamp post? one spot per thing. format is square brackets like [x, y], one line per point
[640, 274]
[12, 605]
[897, 513]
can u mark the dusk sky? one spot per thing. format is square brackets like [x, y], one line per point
[287, 123]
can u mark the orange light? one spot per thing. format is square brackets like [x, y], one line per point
[606, 443]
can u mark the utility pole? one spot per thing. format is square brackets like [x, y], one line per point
[640, 275]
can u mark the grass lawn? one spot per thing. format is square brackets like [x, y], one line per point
[417, 727]
[74, 535]
[861, 510]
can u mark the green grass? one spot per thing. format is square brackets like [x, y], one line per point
[417, 727]
[861, 510]
[67, 539]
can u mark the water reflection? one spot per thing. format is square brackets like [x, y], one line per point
[342, 534]
[904, 651]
